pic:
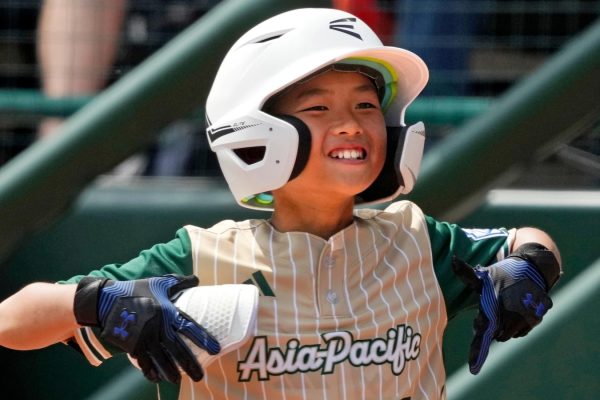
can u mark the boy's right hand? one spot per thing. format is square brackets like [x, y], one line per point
[138, 317]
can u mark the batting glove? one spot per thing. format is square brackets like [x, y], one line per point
[513, 296]
[139, 318]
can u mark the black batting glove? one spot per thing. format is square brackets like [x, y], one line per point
[513, 296]
[139, 318]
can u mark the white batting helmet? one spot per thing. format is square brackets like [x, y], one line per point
[259, 152]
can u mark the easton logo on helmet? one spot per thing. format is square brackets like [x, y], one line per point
[336, 25]
[220, 131]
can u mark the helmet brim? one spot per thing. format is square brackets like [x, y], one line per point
[405, 73]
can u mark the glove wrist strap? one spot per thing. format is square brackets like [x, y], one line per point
[543, 259]
[85, 305]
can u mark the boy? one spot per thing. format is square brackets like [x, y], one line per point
[306, 116]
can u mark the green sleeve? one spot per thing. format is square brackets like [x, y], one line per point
[173, 257]
[475, 246]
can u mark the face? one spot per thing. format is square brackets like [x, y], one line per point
[348, 132]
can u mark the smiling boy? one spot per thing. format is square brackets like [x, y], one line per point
[306, 116]
[348, 141]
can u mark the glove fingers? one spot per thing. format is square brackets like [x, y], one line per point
[485, 325]
[547, 301]
[480, 345]
[517, 324]
[522, 332]
[186, 359]
[166, 367]
[511, 325]
[198, 335]
[466, 273]
[523, 304]
[147, 367]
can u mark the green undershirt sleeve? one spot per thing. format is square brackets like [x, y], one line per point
[475, 246]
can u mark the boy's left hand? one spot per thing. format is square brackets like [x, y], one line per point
[513, 299]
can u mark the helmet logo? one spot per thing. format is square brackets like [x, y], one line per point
[346, 28]
[216, 132]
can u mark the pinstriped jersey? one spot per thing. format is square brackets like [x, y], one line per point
[360, 315]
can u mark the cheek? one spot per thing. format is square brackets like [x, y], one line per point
[379, 142]
[316, 137]
[379, 161]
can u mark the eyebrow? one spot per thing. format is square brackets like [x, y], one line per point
[366, 87]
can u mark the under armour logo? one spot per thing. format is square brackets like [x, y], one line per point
[338, 25]
[126, 319]
[528, 302]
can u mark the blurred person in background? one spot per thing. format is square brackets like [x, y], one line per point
[442, 32]
[84, 46]
[77, 44]
[378, 14]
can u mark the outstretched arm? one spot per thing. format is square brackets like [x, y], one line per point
[37, 316]
[136, 316]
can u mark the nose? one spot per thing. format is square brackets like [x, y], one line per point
[347, 124]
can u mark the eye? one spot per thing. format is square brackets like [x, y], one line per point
[364, 105]
[315, 108]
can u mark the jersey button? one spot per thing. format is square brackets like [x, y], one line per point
[332, 297]
[329, 261]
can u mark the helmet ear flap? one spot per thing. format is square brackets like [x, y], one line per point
[304, 143]
[389, 179]
[402, 163]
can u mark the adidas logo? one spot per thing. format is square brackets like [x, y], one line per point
[345, 25]
[259, 280]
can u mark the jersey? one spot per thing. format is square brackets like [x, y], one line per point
[359, 315]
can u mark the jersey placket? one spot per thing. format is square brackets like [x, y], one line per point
[331, 282]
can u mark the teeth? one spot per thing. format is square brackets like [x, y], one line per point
[348, 154]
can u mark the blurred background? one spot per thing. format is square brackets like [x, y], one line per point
[103, 153]
[71, 50]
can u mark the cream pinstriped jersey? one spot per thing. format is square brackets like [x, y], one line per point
[358, 316]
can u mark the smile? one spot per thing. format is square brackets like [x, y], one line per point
[348, 154]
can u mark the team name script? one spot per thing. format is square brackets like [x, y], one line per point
[400, 345]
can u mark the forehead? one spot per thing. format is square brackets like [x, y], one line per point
[334, 80]
[327, 83]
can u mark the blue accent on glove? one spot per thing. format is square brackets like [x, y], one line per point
[109, 294]
[513, 299]
[489, 307]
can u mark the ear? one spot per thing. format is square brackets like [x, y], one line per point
[304, 143]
